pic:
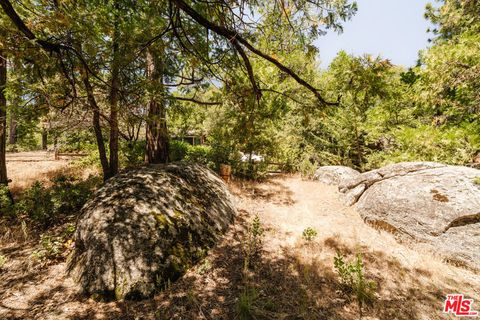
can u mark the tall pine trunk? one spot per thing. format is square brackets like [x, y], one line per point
[12, 137]
[157, 148]
[44, 138]
[114, 86]
[3, 119]
[97, 128]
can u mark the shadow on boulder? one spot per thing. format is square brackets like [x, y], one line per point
[145, 228]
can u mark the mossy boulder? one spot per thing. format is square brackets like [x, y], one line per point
[146, 227]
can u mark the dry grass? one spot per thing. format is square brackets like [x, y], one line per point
[24, 168]
[291, 278]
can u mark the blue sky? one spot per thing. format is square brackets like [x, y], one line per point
[394, 29]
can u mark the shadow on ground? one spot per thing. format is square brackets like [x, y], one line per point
[280, 285]
[269, 190]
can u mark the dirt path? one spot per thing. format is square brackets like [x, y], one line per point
[289, 278]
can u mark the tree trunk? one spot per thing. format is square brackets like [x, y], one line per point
[113, 143]
[97, 128]
[3, 119]
[12, 137]
[44, 138]
[157, 148]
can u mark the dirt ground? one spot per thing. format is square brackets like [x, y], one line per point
[290, 278]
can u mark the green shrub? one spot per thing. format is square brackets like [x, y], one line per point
[246, 304]
[454, 145]
[247, 301]
[55, 247]
[69, 230]
[309, 234]
[248, 170]
[352, 279]
[74, 141]
[252, 244]
[51, 248]
[11, 148]
[132, 153]
[178, 150]
[307, 168]
[68, 194]
[37, 203]
[477, 181]
[256, 228]
[6, 203]
[199, 154]
[91, 159]
[222, 154]
[29, 141]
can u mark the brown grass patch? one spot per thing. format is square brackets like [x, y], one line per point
[24, 168]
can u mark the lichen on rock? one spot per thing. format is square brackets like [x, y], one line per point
[145, 227]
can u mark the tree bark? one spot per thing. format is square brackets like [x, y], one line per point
[114, 85]
[3, 119]
[97, 128]
[12, 137]
[157, 146]
[44, 138]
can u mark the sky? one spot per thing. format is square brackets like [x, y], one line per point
[393, 29]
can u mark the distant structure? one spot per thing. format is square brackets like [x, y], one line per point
[193, 137]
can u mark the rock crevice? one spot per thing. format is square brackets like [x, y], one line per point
[426, 202]
[396, 170]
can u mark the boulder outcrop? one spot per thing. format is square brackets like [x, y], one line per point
[335, 175]
[425, 201]
[145, 227]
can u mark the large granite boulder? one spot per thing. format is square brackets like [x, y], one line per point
[144, 228]
[425, 201]
[335, 175]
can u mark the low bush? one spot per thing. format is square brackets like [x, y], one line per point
[132, 153]
[74, 141]
[55, 247]
[6, 203]
[250, 170]
[37, 203]
[477, 181]
[309, 234]
[52, 247]
[178, 150]
[92, 159]
[353, 280]
[454, 145]
[67, 195]
[245, 307]
[199, 154]
[252, 245]
[307, 168]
